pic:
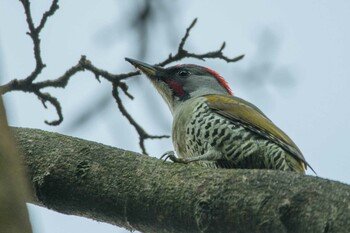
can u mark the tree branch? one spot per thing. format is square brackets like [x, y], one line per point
[34, 33]
[182, 53]
[28, 85]
[79, 177]
[143, 135]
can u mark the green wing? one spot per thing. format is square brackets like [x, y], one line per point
[237, 109]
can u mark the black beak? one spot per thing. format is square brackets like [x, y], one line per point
[149, 70]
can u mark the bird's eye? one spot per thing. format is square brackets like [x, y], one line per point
[183, 73]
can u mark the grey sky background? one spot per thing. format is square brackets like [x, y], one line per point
[299, 50]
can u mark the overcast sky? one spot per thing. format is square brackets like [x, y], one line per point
[304, 88]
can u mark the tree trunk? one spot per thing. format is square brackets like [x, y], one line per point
[14, 217]
[84, 178]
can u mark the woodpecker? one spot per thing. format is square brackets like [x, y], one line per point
[213, 127]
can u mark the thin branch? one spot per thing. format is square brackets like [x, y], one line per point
[63, 80]
[143, 135]
[28, 85]
[187, 34]
[44, 97]
[28, 13]
[34, 33]
[183, 53]
[47, 14]
[125, 88]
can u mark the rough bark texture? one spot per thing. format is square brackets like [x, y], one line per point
[79, 177]
[13, 185]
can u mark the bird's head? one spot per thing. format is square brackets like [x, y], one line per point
[179, 83]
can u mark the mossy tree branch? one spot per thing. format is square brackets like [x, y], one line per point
[79, 177]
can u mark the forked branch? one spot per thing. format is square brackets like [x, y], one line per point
[29, 83]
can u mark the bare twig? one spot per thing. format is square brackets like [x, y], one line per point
[34, 33]
[28, 85]
[125, 88]
[187, 34]
[183, 53]
[47, 97]
[47, 14]
[143, 135]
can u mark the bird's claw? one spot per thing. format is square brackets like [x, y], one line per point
[168, 155]
[171, 155]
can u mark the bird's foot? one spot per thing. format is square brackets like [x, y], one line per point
[171, 155]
